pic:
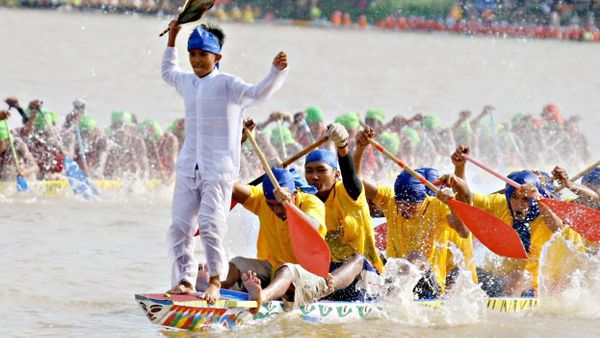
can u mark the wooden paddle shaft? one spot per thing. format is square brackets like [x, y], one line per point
[492, 171]
[404, 166]
[580, 175]
[164, 32]
[12, 147]
[305, 151]
[262, 158]
[294, 158]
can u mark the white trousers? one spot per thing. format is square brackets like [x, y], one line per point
[208, 201]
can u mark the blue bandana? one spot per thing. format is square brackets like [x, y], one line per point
[523, 227]
[321, 155]
[301, 183]
[593, 177]
[408, 189]
[430, 174]
[284, 178]
[203, 40]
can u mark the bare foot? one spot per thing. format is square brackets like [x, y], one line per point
[252, 284]
[212, 292]
[330, 283]
[183, 288]
[202, 280]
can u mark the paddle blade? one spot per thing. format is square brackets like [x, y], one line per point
[193, 10]
[22, 185]
[381, 236]
[582, 219]
[80, 183]
[311, 250]
[492, 232]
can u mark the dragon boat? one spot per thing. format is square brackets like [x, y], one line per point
[55, 187]
[189, 312]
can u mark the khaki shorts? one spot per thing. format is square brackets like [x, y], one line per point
[262, 268]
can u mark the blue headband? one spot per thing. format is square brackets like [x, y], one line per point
[593, 177]
[325, 156]
[523, 227]
[408, 189]
[301, 183]
[284, 178]
[203, 40]
[430, 174]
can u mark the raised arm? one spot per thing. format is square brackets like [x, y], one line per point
[339, 135]
[584, 194]
[170, 69]
[246, 94]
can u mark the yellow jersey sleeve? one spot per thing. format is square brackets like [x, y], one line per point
[384, 196]
[255, 201]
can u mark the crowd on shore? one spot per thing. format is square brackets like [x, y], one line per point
[551, 19]
[131, 148]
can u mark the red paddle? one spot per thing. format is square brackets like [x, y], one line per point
[491, 231]
[582, 219]
[311, 250]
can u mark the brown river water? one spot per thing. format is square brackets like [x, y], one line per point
[71, 267]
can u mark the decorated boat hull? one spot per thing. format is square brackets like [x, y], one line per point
[188, 312]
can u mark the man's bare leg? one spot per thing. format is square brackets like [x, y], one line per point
[346, 274]
[233, 276]
[278, 287]
[183, 288]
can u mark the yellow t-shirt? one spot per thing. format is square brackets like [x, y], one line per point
[349, 228]
[465, 245]
[273, 243]
[425, 233]
[497, 205]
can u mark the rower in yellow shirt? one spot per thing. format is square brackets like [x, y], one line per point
[417, 223]
[273, 245]
[534, 223]
[276, 272]
[350, 236]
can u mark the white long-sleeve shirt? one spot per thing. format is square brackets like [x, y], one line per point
[214, 106]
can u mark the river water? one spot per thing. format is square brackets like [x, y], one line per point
[71, 267]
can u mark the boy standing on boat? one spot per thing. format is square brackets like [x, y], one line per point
[209, 160]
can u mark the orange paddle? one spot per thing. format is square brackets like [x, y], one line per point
[311, 250]
[491, 231]
[582, 219]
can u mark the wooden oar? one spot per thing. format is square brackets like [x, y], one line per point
[296, 157]
[311, 250]
[580, 175]
[491, 231]
[582, 219]
[21, 182]
[191, 11]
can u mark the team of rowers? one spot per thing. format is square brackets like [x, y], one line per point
[421, 227]
[129, 149]
[338, 194]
